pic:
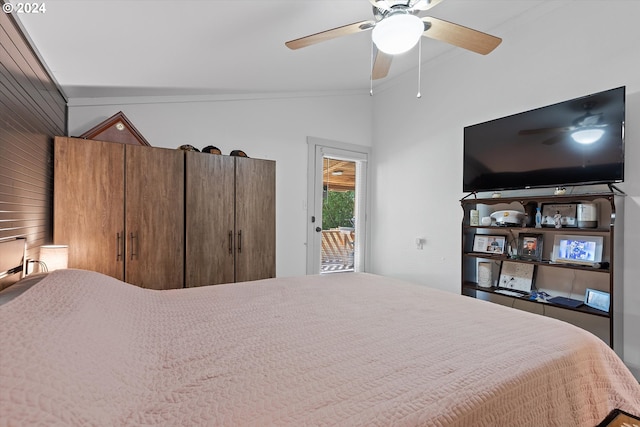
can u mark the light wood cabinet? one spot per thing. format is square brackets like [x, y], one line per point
[154, 217]
[120, 208]
[88, 204]
[230, 219]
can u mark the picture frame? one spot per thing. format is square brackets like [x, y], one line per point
[489, 244]
[568, 214]
[577, 249]
[530, 246]
[599, 300]
[517, 276]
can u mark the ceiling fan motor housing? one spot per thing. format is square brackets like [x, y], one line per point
[382, 13]
[409, 4]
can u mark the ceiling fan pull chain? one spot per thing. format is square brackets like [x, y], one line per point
[419, 95]
[371, 74]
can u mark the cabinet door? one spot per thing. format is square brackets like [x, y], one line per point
[88, 203]
[209, 231]
[255, 219]
[154, 217]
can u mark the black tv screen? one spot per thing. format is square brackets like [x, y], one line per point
[579, 141]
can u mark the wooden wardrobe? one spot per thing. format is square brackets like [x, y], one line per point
[163, 218]
[230, 227]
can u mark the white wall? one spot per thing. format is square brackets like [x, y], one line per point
[268, 128]
[562, 50]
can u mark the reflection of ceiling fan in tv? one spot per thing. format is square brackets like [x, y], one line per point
[585, 129]
[396, 28]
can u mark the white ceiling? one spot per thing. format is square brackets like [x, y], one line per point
[115, 48]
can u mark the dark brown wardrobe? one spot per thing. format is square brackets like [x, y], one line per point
[162, 218]
[230, 219]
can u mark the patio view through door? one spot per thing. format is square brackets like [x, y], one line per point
[338, 215]
[337, 210]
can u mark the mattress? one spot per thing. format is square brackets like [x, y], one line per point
[81, 348]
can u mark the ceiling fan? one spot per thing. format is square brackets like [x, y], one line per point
[586, 129]
[396, 28]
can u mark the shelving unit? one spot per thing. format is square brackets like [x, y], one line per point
[556, 279]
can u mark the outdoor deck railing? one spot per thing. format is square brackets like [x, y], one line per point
[337, 248]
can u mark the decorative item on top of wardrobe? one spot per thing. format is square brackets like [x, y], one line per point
[188, 147]
[238, 153]
[117, 128]
[211, 150]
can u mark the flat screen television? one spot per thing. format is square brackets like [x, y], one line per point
[575, 142]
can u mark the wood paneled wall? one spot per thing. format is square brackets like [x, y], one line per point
[32, 112]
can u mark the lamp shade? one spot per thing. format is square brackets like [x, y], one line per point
[54, 257]
[587, 135]
[397, 33]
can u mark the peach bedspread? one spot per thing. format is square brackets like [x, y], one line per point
[80, 348]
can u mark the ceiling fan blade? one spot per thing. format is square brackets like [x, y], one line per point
[457, 35]
[356, 27]
[544, 130]
[381, 64]
[554, 140]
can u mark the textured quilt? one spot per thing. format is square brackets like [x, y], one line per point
[80, 348]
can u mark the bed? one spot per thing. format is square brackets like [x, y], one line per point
[350, 349]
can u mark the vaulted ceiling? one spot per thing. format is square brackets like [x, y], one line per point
[113, 48]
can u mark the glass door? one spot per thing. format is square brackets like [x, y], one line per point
[338, 215]
[336, 237]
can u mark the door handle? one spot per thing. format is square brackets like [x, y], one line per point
[240, 241]
[318, 229]
[230, 242]
[133, 252]
[119, 242]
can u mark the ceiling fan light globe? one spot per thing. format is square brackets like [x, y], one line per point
[587, 136]
[397, 33]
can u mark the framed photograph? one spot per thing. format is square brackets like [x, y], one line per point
[597, 299]
[488, 244]
[565, 213]
[574, 249]
[530, 246]
[516, 275]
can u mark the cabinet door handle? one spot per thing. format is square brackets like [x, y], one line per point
[119, 242]
[230, 242]
[133, 251]
[240, 241]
